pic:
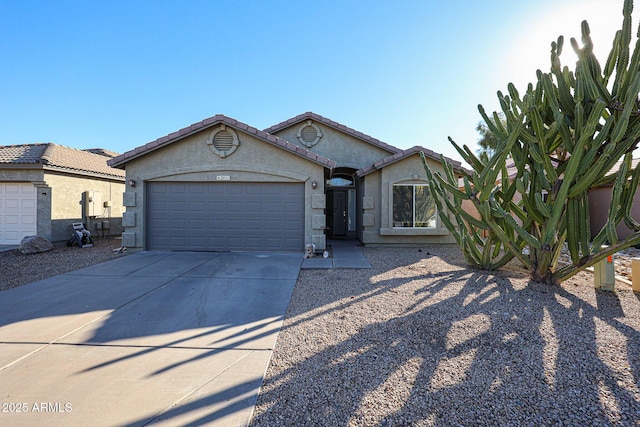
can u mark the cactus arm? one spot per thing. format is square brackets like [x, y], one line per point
[630, 198]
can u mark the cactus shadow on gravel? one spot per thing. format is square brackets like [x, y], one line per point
[432, 344]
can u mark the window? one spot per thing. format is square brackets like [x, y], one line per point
[413, 207]
[339, 182]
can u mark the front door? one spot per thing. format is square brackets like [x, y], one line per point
[337, 206]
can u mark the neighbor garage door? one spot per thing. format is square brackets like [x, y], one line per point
[17, 212]
[220, 216]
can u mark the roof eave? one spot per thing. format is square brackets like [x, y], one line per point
[120, 161]
[53, 168]
[457, 166]
[334, 125]
[30, 165]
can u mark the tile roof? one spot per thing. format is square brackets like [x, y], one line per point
[102, 152]
[402, 154]
[122, 159]
[335, 125]
[27, 153]
[57, 157]
[615, 168]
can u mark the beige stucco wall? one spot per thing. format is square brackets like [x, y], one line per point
[377, 207]
[344, 149]
[192, 159]
[66, 192]
[59, 196]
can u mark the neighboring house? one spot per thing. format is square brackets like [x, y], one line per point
[599, 201]
[220, 184]
[45, 187]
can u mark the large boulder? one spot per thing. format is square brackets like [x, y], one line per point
[34, 245]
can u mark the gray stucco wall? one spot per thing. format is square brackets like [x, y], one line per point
[377, 206]
[192, 159]
[344, 149]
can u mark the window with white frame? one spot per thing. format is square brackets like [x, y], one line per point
[413, 206]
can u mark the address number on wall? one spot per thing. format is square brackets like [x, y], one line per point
[224, 178]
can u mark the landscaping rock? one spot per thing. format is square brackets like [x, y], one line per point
[34, 245]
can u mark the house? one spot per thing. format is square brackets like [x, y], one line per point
[45, 188]
[600, 200]
[221, 184]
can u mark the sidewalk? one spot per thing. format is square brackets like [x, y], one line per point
[346, 254]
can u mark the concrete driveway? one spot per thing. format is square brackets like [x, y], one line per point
[153, 338]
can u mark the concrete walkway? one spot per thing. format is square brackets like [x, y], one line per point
[153, 338]
[345, 254]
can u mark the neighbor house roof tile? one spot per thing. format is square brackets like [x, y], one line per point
[121, 160]
[22, 154]
[349, 131]
[57, 157]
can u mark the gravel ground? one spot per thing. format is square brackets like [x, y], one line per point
[422, 340]
[18, 269]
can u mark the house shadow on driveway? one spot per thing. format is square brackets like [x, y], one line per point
[145, 337]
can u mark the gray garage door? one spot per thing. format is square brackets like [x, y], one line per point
[220, 216]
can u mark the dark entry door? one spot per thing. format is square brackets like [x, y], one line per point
[338, 213]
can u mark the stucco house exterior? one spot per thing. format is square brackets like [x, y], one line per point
[600, 199]
[221, 184]
[45, 188]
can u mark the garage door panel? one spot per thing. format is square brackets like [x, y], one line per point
[199, 225]
[177, 188]
[178, 224]
[197, 205]
[236, 207]
[255, 207]
[27, 220]
[253, 225]
[12, 220]
[215, 206]
[256, 188]
[235, 225]
[215, 225]
[12, 204]
[18, 212]
[236, 189]
[225, 216]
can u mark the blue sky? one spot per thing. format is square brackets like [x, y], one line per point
[119, 74]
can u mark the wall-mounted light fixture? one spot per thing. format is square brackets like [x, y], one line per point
[132, 183]
[314, 185]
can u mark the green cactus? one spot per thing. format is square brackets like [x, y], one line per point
[563, 136]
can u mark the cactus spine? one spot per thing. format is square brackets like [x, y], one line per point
[562, 138]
